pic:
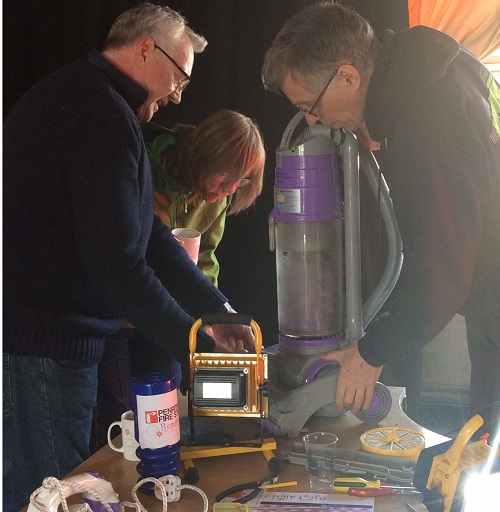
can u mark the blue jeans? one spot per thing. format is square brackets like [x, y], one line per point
[47, 413]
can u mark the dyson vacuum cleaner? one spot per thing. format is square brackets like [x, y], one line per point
[314, 229]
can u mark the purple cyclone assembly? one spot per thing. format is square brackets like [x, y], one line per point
[314, 231]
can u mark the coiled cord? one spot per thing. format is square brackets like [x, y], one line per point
[52, 482]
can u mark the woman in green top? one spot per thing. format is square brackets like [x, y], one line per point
[201, 174]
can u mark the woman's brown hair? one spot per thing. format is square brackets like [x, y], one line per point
[225, 143]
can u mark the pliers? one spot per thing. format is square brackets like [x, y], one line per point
[238, 490]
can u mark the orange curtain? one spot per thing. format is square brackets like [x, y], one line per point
[473, 23]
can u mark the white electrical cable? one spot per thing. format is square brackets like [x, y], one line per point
[200, 492]
[52, 482]
[138, 505]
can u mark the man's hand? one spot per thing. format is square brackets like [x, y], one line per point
[356, 380]
[233, 338]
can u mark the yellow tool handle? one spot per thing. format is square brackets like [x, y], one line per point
[280, 484]
[455, 452]
[344, 484]
[231, 507]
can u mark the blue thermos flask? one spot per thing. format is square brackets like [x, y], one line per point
[157, 427]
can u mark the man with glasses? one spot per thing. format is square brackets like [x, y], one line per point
[434, 108]
[184, 79]
[83, 250]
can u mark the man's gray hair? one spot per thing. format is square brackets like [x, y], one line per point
[316, 41]
[163, 24]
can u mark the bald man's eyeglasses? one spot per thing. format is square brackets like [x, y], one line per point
[183, 83]
[311, 110]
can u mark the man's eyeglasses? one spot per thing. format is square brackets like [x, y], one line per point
[183, 83]
[311, 110]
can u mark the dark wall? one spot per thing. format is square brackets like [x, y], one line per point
[41, 35]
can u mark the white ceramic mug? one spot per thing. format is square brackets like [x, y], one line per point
[190, 240]
[129, 443]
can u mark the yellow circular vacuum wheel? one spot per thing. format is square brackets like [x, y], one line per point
[394, 441]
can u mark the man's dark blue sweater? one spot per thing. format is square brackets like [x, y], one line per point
[82, 248]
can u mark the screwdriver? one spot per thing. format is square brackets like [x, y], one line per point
[382, 491]
[344, 484]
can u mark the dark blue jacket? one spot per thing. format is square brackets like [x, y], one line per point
[437, 109]
[82, 250]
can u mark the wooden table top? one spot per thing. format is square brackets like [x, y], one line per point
[219, 473]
